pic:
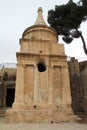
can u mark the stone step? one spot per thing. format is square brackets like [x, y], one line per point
[2, 113]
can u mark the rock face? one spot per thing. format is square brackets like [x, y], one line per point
[75, 85]
[83, 81]
[42, 83]
[78, 84]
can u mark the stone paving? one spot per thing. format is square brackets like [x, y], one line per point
[27, 126]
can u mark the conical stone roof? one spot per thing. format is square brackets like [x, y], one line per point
[40, 19]
[40, 30]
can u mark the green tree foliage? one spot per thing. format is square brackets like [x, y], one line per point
[84, 4]
[66, 19]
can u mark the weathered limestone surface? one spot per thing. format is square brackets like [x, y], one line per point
[75, 84]
[39, 116]
[83, 81]
[42, 84]
[78, 84]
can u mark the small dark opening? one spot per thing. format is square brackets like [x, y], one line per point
[51, 122]
[41, 67]
[34, 106]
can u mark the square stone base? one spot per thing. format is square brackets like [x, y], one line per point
[38, 116]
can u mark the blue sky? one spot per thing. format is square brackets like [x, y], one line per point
[17, 15]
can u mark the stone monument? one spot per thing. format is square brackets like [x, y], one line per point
[42, 85]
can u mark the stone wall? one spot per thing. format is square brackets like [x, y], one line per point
[78, 84]
[83, 82]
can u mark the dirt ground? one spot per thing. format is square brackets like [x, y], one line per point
[28, 126]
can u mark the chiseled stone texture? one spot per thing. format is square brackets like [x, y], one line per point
[37, 116]
[78, 84]
[42, 84]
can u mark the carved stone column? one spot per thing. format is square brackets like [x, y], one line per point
[19, 94]
[50, 80]
[66, 88]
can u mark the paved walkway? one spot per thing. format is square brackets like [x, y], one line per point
[27, 126]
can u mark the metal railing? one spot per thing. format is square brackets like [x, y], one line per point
[8, 65]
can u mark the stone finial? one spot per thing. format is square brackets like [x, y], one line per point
[40, 19]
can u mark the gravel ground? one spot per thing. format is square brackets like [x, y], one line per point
[27, 126]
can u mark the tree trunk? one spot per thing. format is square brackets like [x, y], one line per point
[83, 41]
